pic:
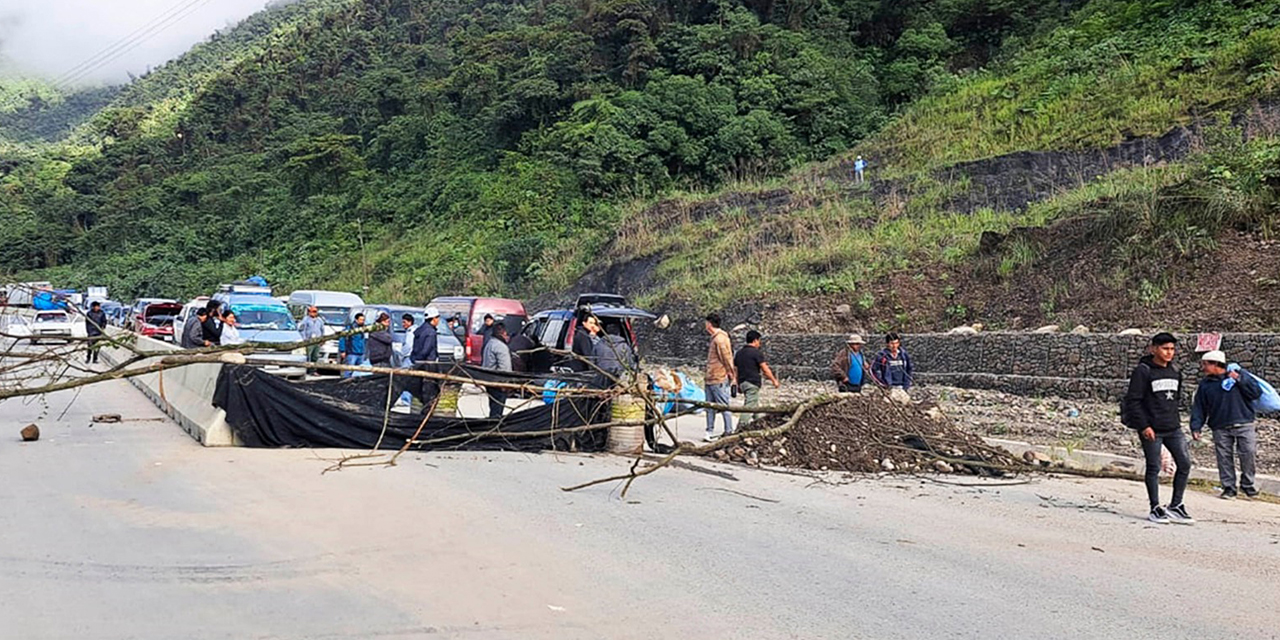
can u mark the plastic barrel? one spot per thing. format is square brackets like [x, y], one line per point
[627, 439]
[447, 407]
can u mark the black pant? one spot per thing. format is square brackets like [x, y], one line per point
[1176, 443]
[95, 345]
[845, 387]
[497, 402]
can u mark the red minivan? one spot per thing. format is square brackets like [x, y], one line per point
[470, 312]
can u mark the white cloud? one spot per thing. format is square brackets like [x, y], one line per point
[53, 37]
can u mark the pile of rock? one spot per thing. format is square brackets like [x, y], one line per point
[873, 433]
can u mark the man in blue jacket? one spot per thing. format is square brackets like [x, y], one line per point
[1224, 402]
[892, 366]
[425, 350]
[351, 348]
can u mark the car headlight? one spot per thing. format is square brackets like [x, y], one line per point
[458, 353]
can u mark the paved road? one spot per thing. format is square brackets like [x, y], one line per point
[134, 531]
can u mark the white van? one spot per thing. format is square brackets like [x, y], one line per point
[334, 307]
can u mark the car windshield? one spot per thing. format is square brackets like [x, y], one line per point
[51, 317]
[333, 316]
[262, 316]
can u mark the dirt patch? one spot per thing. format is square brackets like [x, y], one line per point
[872, 433]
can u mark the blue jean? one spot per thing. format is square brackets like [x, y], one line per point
[354, 360]
[719, 394]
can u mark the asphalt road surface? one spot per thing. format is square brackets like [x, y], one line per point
[133, 530]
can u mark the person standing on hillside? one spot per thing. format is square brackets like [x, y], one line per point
[1150, 407]
[849, 366]
[1224, 402]
[193, 330]
[381, 344]
[312, 327]
[721, 374]
[94, 324]
[497, 357]
[351, 348]
[752, 370]
[859, 166]
[892, 366]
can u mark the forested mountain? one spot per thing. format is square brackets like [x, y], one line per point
[416, 146]
[412, 147]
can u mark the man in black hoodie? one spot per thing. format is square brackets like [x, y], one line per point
[1151, 408]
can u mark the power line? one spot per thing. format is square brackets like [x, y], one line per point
[124, 41]
[155, 30]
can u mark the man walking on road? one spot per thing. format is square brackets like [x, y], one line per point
[752, 370]
[892, 366]
[849, 367]
[1224, 402]
[721, 374]
[1150, 407]
[212, 323]
[497, 357]
[94, 323]
[312, 327]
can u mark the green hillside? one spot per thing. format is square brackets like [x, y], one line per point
[1133, 242]
[415, 147]
[690, 153]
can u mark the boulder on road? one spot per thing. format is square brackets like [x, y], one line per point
[1037, 458]
[30, 433]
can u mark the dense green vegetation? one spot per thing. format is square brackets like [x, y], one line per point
[1112, 71]
[412, 147]
[418, 146]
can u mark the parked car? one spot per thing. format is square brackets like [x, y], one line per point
[448, 345]
[15, 326]
[264, 319]
[156, 320]
[52, 325]
[188, 310]
[334, 306]
[553, 329]
[470, 312]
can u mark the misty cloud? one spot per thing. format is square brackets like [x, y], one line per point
[52, 37]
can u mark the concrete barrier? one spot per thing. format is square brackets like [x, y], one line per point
[184, 393]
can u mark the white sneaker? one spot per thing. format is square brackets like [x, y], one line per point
[710, 437]
[401, 408]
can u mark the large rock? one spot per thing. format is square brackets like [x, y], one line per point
[899, 396]
[843, 309]
[1034, 457]
[1048, 328]
[963, 331]
[30, 433]
[1080, 330]
[1131, 332]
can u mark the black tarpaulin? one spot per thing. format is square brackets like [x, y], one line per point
[267, 411]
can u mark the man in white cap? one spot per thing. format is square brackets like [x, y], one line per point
[425, 350]
[1224, 402]
[849, 366]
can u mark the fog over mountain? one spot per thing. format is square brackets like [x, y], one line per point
[80, 41]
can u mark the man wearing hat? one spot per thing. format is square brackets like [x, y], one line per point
[425, 350]
[311, 328]
[1224, 402]
[850, 366]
